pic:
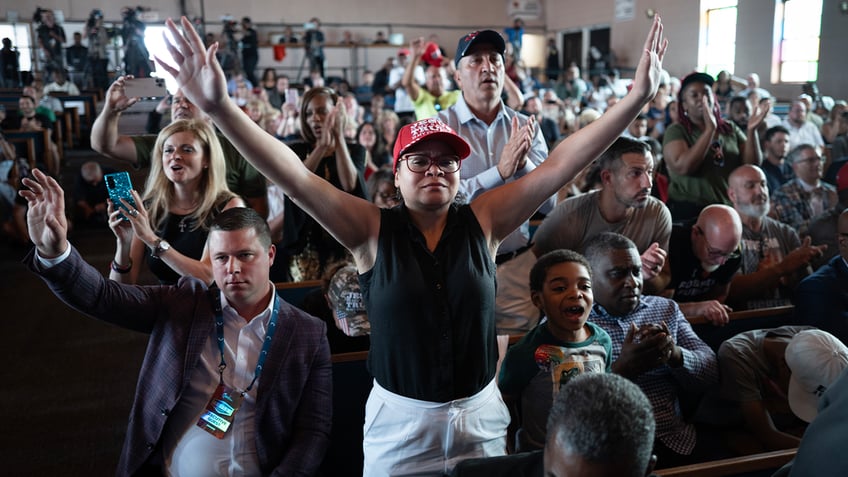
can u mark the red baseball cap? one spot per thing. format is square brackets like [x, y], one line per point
[430, 128]
[432, 54]
[842, 178]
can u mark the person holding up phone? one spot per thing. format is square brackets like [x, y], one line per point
[427, 266]
[168, 225]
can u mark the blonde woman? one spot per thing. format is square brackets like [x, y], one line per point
[186, 188]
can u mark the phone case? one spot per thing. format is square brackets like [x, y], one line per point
[119, 186]
[145, 88]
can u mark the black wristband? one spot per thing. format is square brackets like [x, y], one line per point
[121, 270]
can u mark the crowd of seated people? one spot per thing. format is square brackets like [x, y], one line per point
[721, 238]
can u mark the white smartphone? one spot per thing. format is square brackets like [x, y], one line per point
[145, 88]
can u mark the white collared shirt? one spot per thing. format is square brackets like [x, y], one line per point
[188, 449]
[479, 171]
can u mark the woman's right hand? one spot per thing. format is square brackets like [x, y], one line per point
[707, 110]
[116, 97]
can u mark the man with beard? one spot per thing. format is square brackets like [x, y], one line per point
[242, 178]
[624, 205]
[652, 345]
[704, 256]
[739, 111]
[773, 257]
[775, 149]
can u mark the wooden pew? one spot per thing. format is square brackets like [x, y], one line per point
[295, 292]
[767, 461]
[351, 385]
[40, 143]
[741, 321]
[24, 147]
[87, 110]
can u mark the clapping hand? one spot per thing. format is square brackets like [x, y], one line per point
[644, 349]
[514, 155]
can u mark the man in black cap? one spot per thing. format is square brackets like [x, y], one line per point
[481, 117]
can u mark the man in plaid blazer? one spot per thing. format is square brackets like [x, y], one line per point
[283, 424]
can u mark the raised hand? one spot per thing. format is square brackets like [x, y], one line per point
[647, 77]
[46, 222]
[416, 47]
[199, 75]
[801, 256]
[116, 97]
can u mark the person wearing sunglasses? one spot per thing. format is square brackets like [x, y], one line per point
[704, 257]
[426, 267]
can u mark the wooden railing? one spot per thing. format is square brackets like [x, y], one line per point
[748, 314]
[733, 466]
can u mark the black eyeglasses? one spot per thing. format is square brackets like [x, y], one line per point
[715, 252]
[448, 163]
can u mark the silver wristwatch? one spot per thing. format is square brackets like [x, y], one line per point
[161, 247]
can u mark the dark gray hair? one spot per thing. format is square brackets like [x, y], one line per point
[604, 418]
[609, 160]
[797, 150]
[602, 243]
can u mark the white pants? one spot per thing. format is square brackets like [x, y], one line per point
[406, 437]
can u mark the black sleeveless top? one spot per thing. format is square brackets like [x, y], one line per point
[432, 314]
[178, 232]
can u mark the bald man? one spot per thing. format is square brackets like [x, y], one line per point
[822, 298]
[704, 257]
[773, 257]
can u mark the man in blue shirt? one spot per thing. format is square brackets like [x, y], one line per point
[652, 344]
[822, 298]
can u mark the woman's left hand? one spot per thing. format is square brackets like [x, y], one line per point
[339, 121]
[759, 115]
[139, 220]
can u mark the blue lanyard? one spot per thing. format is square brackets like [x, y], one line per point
[219, 327]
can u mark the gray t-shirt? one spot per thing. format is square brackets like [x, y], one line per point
[746, 374]
[575, 221]
[771, 244]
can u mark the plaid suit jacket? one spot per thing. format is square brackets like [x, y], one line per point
[293, 407]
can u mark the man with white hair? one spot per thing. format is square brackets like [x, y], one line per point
[773, 257]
